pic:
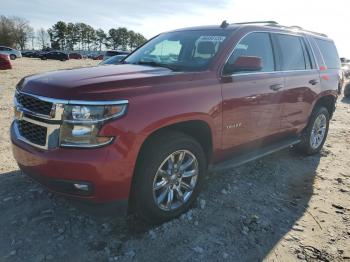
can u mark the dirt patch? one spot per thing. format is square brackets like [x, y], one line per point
[283, 207]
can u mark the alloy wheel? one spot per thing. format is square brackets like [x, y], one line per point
[175, 180]
[318, 131]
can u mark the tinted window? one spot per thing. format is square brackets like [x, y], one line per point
[329, 53]
[306, 57]
[292, 55]
[310, 54]
[256, 45]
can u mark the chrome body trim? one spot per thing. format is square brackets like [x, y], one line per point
[267, 72]
[77, 102]
[89, 146]
[51, 135]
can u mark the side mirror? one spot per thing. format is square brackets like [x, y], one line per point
[244, 64]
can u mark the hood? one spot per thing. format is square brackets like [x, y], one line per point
[99, 82]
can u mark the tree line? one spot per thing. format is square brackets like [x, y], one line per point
[17, 32]
[81, 36]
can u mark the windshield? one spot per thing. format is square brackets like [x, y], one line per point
[181, 51]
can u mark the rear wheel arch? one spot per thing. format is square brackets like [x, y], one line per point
[328, 101]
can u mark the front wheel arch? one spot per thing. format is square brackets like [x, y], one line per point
[141, 172]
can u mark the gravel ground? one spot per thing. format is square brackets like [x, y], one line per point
[283, 207]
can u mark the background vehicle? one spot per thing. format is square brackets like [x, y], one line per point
[347, 90]
[13, 53]
[31, 54]
[146, 132]
[56, 55]
[345, 66]
[75, 56]
[5, 62]
[114, 60]
[111, 53]
[97, 57]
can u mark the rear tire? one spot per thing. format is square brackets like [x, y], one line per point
[156, 178]
[315, 134]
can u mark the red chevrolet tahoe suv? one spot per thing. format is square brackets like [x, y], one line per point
[206, 98]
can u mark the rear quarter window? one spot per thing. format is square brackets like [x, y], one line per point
[329, 53]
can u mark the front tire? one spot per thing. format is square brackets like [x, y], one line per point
[13, 57]
[168, 177]
[315, 134]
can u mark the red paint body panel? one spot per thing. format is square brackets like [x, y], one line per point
[159, 97]
[5, 62]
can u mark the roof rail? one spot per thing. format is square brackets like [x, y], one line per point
[258, 22]
[298, 28]
[307, 31]
[276, 24]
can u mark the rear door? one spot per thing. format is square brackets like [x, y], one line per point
[301, 80]
[251, 103]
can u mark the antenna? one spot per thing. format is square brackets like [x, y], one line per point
[224, 24]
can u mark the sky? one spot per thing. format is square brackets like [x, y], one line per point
[152, 17]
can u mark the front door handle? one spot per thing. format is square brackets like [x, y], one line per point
[313, 82]
[276, 87]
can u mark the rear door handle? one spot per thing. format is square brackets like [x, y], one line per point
[276, 87]
[313, 82]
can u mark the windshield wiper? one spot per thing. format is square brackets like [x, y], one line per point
[155, 64]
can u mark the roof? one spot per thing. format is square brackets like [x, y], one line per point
[256, 24]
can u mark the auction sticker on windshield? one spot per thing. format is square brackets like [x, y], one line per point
[212, 38]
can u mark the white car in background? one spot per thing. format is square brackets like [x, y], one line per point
[13, 53]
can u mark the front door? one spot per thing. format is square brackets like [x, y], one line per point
[251, 99]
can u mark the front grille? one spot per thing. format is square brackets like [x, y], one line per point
[34, 104]
[33, 133]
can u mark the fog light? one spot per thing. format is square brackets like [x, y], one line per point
[83, 187]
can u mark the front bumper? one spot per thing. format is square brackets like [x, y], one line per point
[107, 170]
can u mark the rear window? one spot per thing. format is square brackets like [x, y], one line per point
[292, 54]
[329, 53]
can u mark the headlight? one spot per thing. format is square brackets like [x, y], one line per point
[82, 123]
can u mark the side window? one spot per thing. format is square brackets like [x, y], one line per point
[306, 55]
[292, 54]
[254, 45]
[329, 53]
[310, 54]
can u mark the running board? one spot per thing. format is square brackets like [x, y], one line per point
[253, 155]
